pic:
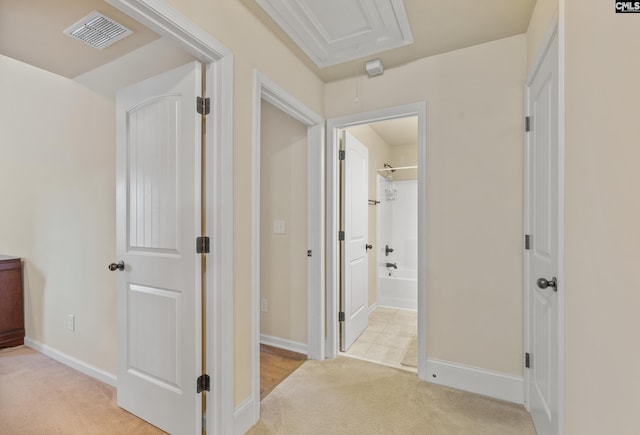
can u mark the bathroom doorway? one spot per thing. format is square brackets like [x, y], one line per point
[382, 325]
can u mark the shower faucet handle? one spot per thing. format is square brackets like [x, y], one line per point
[387, 250]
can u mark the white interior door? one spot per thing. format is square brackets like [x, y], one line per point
[355, 191]
[158, 219]
[543, 217]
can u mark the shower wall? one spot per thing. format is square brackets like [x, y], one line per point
[398, 223]
[397, 228]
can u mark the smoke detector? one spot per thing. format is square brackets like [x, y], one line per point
[374, 67]
[97, 30]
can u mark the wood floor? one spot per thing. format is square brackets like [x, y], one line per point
[275, 365]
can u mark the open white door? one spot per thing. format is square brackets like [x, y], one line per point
[158, 218]
[543, 333]
[355, 190]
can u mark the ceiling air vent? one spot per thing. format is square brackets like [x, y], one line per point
[97, 30]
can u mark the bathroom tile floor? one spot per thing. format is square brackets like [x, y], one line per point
[386, 338]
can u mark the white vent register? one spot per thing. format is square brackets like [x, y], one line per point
[97, 30]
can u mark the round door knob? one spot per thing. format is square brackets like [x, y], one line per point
[367, 247]
[116, 266]
[543, 283]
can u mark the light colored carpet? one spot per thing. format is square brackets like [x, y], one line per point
[410, 357]
[41, 396]
[349, 396]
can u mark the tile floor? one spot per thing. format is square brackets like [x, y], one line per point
[386, 338]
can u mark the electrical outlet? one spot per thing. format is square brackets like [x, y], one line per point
[264, 305]
[71, 322]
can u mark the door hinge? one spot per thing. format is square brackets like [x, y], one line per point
[309, 253]
[527, 123]
[527, 360]
[342, 155]
[203, 383]
[202, 245]
[341, 236]
[527, 241]
[341, 316]
[203, 105]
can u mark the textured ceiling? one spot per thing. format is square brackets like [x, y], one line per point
[438, 27]
[31, 32]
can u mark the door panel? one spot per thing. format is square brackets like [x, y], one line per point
[158, 219]
[543, 260]
[355, 291]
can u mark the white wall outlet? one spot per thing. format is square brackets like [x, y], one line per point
[278, 226]
[264, 305]
[71, 322]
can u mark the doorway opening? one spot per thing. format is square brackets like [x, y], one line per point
[283, 245]
[292, 206]
[391, 309]
[388, 335]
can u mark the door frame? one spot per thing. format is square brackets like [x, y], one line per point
[268, 90]
[555, 29]
[332, 266]
[166, 21]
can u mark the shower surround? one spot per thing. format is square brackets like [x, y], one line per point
[397, 217]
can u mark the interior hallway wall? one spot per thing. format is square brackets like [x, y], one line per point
[283, 196]
[58, 188]
[253, 47]
[602, 220]
[474, 171]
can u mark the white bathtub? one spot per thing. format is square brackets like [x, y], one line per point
[400, 290]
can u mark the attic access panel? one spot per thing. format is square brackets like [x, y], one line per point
[336, 31]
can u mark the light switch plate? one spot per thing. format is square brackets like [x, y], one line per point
[278, 227]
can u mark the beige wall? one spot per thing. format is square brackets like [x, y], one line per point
[58, 208]
[379, 154]
[602, 219]
[474, 209]
[283, 196]
[405, 155]
[253, 46]
[541, 19]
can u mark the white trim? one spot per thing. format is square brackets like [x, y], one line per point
[74, 363]
[476, 380]
[372, 308]
[243, 417]
[264, 88]
[332, 266]
[282, 343]
[166, 21]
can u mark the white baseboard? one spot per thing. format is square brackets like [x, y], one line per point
[243, 417]
[282, 343]
[72, 362]
[473, 379]
[372, 308]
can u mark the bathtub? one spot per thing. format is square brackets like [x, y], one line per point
[400, 290]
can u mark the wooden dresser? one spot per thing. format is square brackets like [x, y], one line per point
[11, 302]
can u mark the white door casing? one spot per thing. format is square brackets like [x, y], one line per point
[158, 218]
[355, 277]
[542, 259]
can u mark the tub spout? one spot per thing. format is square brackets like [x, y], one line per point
[394, 265]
